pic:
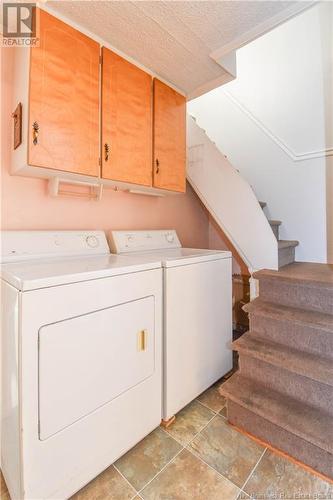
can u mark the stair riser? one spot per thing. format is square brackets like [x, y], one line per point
[276, 232]
[277, 437]
[297, 295]
[301, 337]
[286, 256]
[286, 382]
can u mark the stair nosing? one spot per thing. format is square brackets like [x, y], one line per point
[253, 308]
[270, 274]
[282, 244]
[285, 406]
[275, 360]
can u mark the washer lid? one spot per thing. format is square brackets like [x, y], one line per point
[172, 257]
[43, 273]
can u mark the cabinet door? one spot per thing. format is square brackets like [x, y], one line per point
[169, 138]
[126, 121]
[64, 99]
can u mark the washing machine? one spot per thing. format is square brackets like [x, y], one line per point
[81, 359]
[197, 311]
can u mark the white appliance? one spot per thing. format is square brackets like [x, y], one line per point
[197, 311]
[81, 359]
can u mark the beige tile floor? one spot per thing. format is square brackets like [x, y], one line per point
[200, 457]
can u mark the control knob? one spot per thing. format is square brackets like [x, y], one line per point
[92, 241]
[170, 237]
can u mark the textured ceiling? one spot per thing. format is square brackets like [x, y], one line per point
[174, 39]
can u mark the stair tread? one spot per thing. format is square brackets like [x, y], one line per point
[303, 363]
[287, 244]
[275, 222]
[305, 421]
[314, 319]
[308, 273]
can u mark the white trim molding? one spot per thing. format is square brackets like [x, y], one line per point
[308, 155]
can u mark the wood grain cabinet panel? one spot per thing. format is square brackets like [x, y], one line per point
[169, 138]
[64, 99]
[126, 121]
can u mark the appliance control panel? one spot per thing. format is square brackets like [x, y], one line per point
[26, 245]
[142, 241]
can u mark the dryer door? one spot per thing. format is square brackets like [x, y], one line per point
[87, 361]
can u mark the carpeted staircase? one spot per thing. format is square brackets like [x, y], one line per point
[283, 392]
[286, 248]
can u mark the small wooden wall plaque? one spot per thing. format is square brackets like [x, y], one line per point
[17, 115]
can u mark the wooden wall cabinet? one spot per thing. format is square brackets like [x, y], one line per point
[126, 121]
[169, 138]
[64, 99]
[129, 133]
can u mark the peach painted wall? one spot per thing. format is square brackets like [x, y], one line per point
[218, 241]
[25, 203]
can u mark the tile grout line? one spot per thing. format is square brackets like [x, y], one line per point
[242, 492]
[200, 459]
[178, 453]
[216, 471]
[205, 406]
[127, 481]
[211, 467]
[185, 447]
[241, 488]
[253, 470]
[203, 461]
[166, 465]
[211, 409]
[196, 434]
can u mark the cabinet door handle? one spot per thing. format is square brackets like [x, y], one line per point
[106, 151]
[157, 166]
[35, 132]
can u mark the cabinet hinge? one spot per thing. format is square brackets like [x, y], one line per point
[100, 59]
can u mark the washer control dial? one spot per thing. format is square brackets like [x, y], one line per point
[92, 241]
[170, 237]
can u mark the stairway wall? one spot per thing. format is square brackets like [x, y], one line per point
[275, 121]
[230, 200]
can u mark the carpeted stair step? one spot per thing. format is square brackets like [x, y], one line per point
[280, 379]
[286, 252]
[309, 331]
[301, 284]
[275, 225]
[306, 273]
[302, 363]
[302, 420]
[276, 436]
